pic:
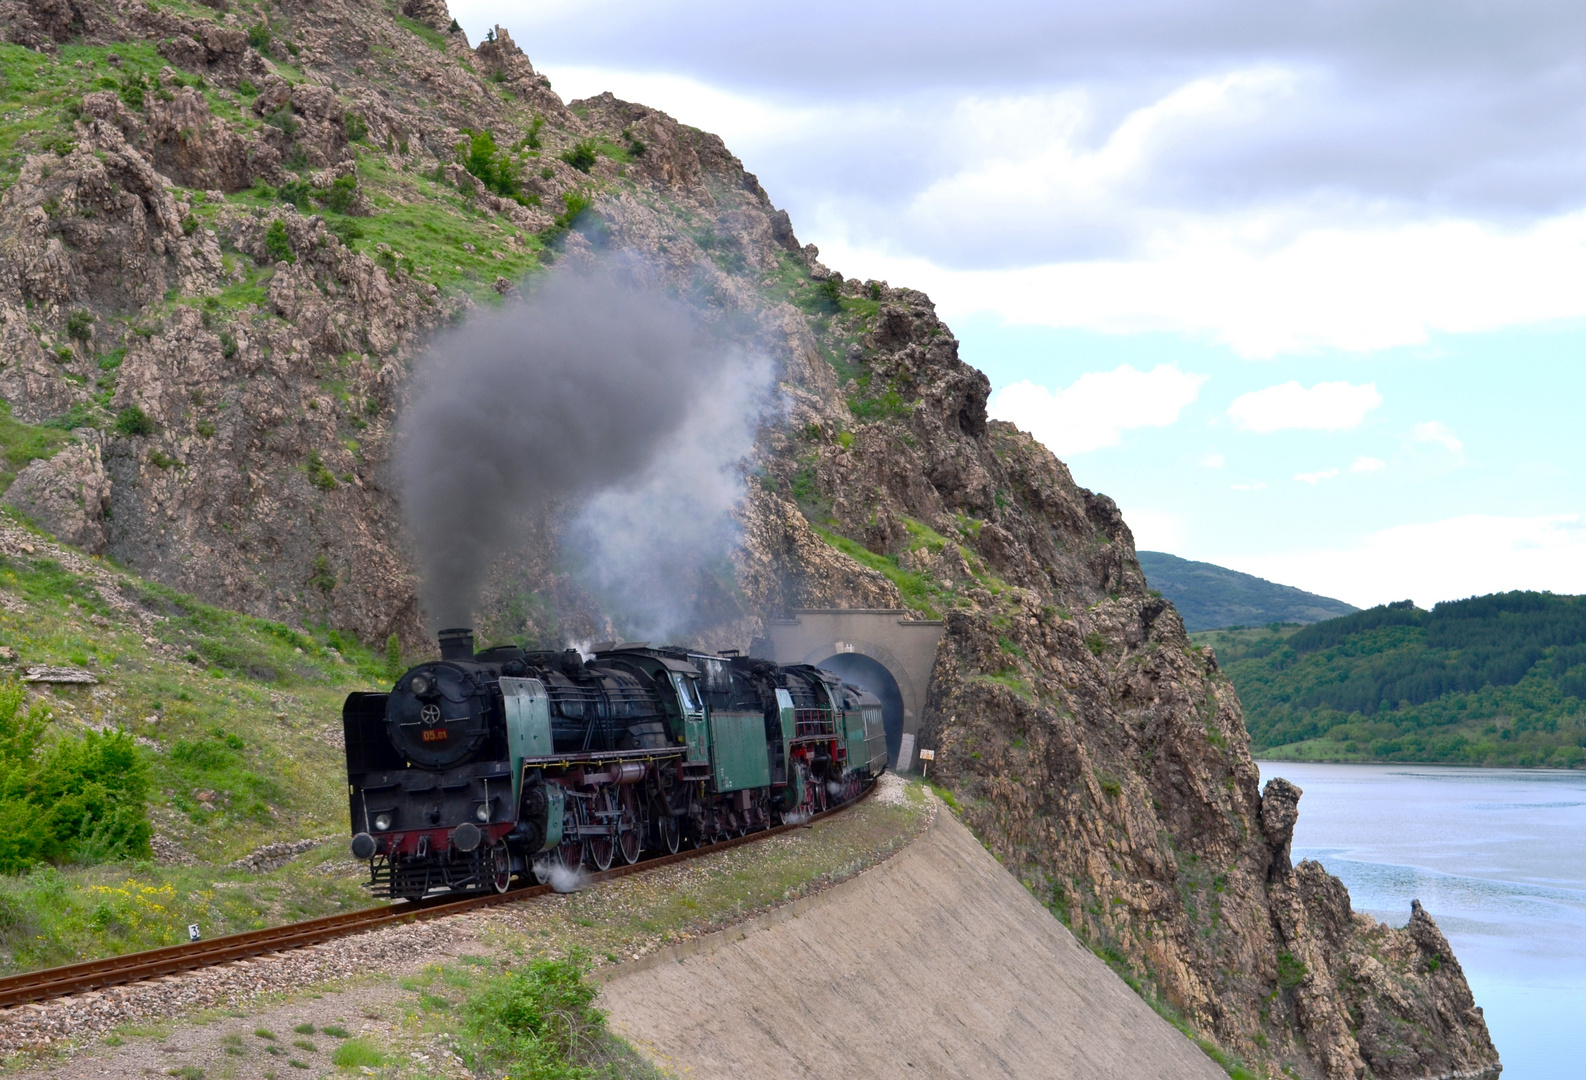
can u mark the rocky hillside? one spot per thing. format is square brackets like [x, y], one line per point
[227, 232]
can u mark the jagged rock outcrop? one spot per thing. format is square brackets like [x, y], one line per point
[68, 494]
[243, 354]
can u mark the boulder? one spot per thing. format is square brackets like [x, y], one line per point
[66, 494]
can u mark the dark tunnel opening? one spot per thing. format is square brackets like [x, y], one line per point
[862, 671]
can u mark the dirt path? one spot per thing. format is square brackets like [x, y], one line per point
[934, 964]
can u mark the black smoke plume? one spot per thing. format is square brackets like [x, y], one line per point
[572, 391]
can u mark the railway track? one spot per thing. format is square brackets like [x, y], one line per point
[173, 959]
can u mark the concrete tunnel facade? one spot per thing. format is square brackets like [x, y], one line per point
[881, 649]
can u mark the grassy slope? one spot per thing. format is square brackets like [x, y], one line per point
[1531, 723]
[238, 720]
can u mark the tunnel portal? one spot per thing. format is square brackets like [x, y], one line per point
[883, 650]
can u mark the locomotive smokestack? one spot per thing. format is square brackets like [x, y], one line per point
[457, 643]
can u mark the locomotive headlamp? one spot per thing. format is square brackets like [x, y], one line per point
[421, 685]
[482, 811]
[382, 822]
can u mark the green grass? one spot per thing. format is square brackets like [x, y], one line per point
[231, 714]
[919, 592]
[360, 1053]
[429, 35]
[428, 223]
[22, 443]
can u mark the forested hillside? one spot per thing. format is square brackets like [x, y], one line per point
[1212, 597]
[1493, 680]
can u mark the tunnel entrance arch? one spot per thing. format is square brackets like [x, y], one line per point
[863, 671]
[883, 650]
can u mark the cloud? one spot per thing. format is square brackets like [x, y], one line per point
[1314, 478]
[1213, 461]
[1099, 407]
[1331, 406]
[1449, 559]
[1368, 465]
[1155, 530]
[1434, 432]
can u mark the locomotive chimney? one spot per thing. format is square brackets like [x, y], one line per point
[457, 643]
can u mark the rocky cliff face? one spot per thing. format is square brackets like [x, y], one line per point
[226, 234]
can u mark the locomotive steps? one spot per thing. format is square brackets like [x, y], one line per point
[937, 963]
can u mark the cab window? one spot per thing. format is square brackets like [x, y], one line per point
[688, 694]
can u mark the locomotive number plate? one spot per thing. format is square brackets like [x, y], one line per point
[434, 735]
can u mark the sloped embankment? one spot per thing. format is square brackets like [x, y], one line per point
[937, 963]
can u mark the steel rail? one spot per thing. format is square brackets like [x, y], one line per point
[89, 975]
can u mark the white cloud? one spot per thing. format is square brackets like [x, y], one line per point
[1099, 407]
[1155, 530]
[1329, 406]
[1368, 464]
[1265, 290]
[1314, 478]
[1438, 433]
[1438, 560]
[1213, 461]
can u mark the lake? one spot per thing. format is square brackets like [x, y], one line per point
[1498, 857]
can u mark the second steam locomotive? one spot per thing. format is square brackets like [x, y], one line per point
[482, 766]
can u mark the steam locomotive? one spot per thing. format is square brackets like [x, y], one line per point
[481, 767]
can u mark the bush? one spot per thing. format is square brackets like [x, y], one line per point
[357, 127]
[134, 421]
[83, 799]
[277, 245]
[259, 36]
[341, 195]
[540, 1023]
[495, 169]
[80, 324]
[297, 192]
[582, 156]
[345, 231]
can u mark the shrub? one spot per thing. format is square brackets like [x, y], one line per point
[277, 245]
[1291, 970]
[297, 192]
[341, 195]
[80, 324]
[454, 28]
[134, 421]
[495, 169]
[532, 139]
[581, 156]
[259, 36]
[1095, 643]
[284, 119]
[393, 657]
[357, 127]
[318, 475]
[541, 1021]
[346, 231]
[84, 799]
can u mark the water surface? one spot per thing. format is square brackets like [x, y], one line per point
[1498, 858]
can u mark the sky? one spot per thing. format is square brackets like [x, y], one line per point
[1301, 286]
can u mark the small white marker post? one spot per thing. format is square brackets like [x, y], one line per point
[926, 757]
[192, 932]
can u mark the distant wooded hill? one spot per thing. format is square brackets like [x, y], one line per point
[1213, 597]
[1493, 680]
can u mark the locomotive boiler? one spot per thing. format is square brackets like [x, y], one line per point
[483, 766]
